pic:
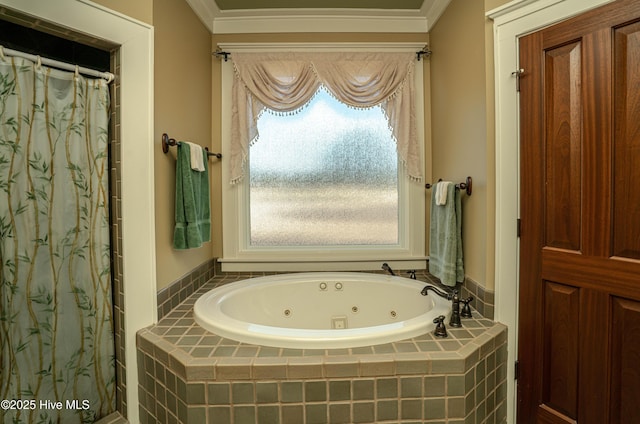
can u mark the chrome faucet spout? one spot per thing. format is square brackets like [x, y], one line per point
[386, 267]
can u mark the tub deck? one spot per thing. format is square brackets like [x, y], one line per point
[191, 375]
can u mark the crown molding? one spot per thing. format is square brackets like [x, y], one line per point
[328, 46]
[434, 9]
[318, 23]
[206, 10]
[317, 20]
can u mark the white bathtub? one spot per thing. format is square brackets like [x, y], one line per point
[320, 310]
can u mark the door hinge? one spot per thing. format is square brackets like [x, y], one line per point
[518, 227]
[517, 74]
[516, 370]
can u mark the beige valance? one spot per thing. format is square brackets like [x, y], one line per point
[285, 82]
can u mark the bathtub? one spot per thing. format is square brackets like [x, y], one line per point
[320, 310]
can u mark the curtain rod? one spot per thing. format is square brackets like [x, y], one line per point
[57, 64]
[222, 50]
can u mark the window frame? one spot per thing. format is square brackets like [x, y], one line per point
[239, 255]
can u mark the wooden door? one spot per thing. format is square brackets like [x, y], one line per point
[579, 298]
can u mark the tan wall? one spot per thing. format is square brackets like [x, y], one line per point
[459, 119]
[141, 10]
[463, 118]
[182, 80]
[460, 83]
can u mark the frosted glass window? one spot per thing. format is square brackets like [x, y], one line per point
[326, 175]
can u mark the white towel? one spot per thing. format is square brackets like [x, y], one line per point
[441, 192]
[197, 160]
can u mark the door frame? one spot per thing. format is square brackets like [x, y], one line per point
[511, 21]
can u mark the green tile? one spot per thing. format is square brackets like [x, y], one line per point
[428, 346]
[411, 409]
[267, 392]
[188, 340]
[455, 407]
[470, 403]
[469, 380]
[268, 414]
[196, 414]
[242, 393]
[406, 347]
[384, 348]
[362, 350]
[224, 351]
[480, 371]
[246, 351]
[387, 410]
[244, 414]
[219, 393]
[364, 412]
[201, 352]
[387, 387]
[209, 340]
[339, 390]
[172, 403]
[291, 391]
[480, 392]
[315, 413]
[292, 414]
[363, 389]
[339, 413]
[434, 409]
[411, 387]
[269, 352]
[450, 345]
[434, 386]
[195, 393]
[455, 385]
[315, 391]
[181, 389]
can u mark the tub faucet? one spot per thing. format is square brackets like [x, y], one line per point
[441, 293]
[455, 310]
[466, 309]
[386, 267]
[441, 330]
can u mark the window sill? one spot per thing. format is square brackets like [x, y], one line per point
[325, 264]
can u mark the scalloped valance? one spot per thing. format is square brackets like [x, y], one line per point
[286, 82]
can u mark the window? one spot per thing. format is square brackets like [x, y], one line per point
[325, 176]
[323, 190]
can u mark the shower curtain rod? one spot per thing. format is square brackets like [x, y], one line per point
[56, 64]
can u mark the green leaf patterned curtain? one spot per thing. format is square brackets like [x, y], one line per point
[56, 322]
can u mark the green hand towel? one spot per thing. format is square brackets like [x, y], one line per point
[193, 213]
[445, 238]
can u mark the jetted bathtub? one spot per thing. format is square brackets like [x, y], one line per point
[320, 310]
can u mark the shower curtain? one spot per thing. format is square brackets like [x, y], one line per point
[56, 321]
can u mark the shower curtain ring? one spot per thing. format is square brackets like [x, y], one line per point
[77, 72]
[2, 57]
[38, 63]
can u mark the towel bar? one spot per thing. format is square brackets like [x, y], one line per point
[166, 142]
[467, 185]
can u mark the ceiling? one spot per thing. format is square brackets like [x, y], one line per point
[264, 16]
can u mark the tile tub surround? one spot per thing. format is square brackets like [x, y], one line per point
[483, 299]
[188, 375]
